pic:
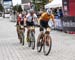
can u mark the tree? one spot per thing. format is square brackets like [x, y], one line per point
[44, 2]
[1, 7]
[41, 4]
[17, 8]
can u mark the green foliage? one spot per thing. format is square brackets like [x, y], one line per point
[33, 1]
[1, 7]
[44, 2]
[39, 5]
[17, 8]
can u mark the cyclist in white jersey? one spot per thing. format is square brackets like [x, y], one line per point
[31, 19]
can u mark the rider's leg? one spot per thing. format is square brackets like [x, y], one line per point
[41, 32]
[27, 33]
[18, 32]
[45, 25]
[47, 37]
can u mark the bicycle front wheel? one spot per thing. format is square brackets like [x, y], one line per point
[29, 40]
[47, 45]
[39, 43]
[33, 40]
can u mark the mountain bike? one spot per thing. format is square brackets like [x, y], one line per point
[44, 40]
[21, 33]
[31, 37]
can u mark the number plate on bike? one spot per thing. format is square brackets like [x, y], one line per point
[31, 27]
[22, 27]
[48, 29]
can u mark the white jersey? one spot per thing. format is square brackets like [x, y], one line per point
[29, 17]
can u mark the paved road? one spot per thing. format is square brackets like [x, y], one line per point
[63, 45]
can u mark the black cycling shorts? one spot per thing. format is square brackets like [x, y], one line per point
[29, 23]
[44, 24]
[22, 23]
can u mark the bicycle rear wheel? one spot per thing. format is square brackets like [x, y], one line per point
[22, 38]
[47, 45]
[39, 43]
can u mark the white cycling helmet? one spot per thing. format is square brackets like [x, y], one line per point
[49, 11]
[31, 10]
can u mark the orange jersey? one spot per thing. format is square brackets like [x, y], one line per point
[46, 17]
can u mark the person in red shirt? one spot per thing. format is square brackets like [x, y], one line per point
[20, 21]
[19, 18]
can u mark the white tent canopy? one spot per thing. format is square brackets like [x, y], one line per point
[54, 4]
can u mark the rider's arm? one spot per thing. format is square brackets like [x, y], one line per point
[35, 17]
[39, 20]
[25, 19]
[52, 16]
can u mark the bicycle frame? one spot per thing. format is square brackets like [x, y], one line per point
[31, 37]
[46, 33]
